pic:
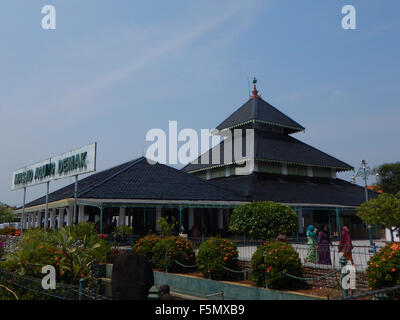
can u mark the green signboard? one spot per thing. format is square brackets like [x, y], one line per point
[75, 162]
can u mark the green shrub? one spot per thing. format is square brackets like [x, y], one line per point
[34, 251]
[167, 228]
[81, 230]
[263, 220]
[71, 250]
[122, 231]
[279, 256]
[384, 268]
[167, 250]
[215, 254]
[145, 246]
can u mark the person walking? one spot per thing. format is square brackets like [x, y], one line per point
[345, 245]
[312, 242]
[324, 252]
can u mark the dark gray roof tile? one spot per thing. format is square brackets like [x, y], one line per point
[262, 111]
[275, 147]
[296, 189]
[138, 179]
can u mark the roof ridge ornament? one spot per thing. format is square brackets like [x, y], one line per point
[255, 92]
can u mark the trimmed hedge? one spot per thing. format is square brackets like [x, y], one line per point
[279, 257]
[145, 246]
[384, 269]
[263, 220]
[215, 254]
[167, 250]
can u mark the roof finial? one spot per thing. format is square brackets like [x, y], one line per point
[255, 92]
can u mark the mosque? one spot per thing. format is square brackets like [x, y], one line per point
[284, 169]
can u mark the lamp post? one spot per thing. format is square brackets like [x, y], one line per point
[364, 171]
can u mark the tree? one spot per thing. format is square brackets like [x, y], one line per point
[263, 220]
[383, 210]
[5, 214]
[389, 176]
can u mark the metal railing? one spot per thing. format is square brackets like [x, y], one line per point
[321, 264]
[328, 256]
[325, 257]
[24, 284]
[359, 253]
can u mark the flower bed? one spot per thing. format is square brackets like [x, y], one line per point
[10, 231]
[72, 251]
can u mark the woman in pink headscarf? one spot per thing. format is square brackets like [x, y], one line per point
[345, 245]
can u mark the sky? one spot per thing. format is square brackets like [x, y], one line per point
[113, 70]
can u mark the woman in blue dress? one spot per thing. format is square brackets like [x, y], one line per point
[312, 242]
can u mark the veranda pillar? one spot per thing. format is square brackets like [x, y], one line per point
[60, 218]
[220, 219]
[37, 218]
[28, 220]
[191, 218]
[338, 224]
[158, 216]
[70, 212]
[121, 218]
[52, 218]
[81, 216]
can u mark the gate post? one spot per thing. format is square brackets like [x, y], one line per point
[343, 263]
[82, 286]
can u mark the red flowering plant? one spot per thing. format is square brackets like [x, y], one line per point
[35, 250]
[144, 246]
[215, 256]
[72, 251]
[173, 253]
[10, 231]
[384, 268]
[270, 260]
